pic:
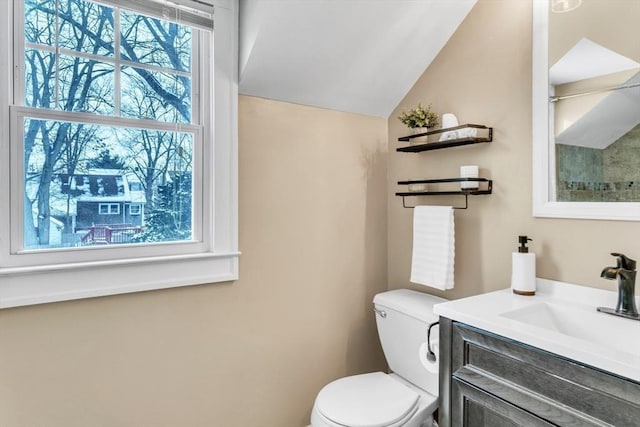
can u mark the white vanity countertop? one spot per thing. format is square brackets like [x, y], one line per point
[561, 318]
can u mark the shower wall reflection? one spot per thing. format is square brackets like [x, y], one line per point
[611, 174]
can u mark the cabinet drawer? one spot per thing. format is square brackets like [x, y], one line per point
[476, 408]
[558, 390]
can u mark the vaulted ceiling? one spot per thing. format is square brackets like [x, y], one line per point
[359, 56]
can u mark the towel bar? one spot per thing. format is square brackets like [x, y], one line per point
[466, 203]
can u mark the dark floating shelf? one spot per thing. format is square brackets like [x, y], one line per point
[465, 192]
[435, 145]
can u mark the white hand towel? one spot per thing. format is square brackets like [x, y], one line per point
[468, 133]
[433, 246]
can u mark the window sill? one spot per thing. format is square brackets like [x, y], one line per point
[21, 286]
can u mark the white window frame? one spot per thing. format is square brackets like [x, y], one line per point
[109, 208]
[214, 258]
[137, 211]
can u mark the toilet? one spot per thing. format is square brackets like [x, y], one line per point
[408, 396]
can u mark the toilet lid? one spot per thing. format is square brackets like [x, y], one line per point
[368, 400]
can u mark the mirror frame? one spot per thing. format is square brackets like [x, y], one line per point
[543, 155]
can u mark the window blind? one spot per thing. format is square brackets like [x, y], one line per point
[190, 12]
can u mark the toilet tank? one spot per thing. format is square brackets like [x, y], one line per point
[403, 331]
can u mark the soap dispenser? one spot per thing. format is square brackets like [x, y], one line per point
[523, 269]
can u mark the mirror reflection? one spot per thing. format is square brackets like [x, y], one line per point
[594, 102]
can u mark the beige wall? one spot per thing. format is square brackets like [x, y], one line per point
[483, 75]
[251, 353]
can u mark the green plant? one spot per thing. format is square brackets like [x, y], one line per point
[419, 117]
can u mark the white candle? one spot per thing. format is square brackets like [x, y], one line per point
[469, 171]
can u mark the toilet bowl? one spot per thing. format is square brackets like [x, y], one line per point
[373, 400]
[408, 396]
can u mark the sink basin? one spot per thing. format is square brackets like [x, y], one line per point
[582, 323]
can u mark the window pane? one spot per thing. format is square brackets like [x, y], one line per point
[155, 95]
[79, 179]
[39, 22]
[39, 78]
[155, 42]
[86, 27]
[85, 85]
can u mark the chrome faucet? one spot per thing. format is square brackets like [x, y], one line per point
[625, 272]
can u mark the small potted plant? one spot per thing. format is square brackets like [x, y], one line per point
[419, 119]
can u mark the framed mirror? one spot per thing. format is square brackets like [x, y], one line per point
[586, 109]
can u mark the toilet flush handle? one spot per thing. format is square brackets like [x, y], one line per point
[382, 313]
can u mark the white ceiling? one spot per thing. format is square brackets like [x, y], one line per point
[587, 59]
[360, 56]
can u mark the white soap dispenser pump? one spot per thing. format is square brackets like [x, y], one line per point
[523, 269]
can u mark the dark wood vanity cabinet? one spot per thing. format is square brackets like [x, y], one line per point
[489, 380]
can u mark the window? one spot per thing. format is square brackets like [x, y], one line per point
[135, 209]
[109, 209]
[139, 77]
[112, 104]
